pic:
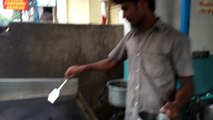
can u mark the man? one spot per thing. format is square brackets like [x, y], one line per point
[158, 55]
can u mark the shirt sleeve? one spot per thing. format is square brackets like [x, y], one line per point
[182, 58]
[119, 53]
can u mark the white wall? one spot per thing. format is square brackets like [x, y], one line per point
[201, 26]
[127, 26]
[201, 29]
[95, 12]
[164, 10]
[62, 11]
[176, 13]
[78, 11]
[45, 3]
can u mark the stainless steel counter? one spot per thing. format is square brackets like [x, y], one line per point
[26, 99]
[26, 88]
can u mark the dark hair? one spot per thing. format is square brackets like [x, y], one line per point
[150, 2]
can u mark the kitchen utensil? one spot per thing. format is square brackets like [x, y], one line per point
[117, 92]
[55, 93]
[153, 116]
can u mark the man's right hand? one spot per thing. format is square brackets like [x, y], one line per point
[73, 70]
[104, 64]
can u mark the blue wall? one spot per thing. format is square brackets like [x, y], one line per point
[126, 70]
[203, 78]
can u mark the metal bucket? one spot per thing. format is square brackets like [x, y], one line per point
[152, 116]
[117, 92]
[208, 112]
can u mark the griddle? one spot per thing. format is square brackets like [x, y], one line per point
[65, 108]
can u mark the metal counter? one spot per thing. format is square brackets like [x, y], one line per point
[26, 99]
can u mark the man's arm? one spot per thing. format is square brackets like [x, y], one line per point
[182, 97]
[185, 92]
[104, 64]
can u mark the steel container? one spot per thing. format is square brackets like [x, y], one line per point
[117, 92]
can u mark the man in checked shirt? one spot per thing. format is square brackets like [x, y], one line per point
[158, 56]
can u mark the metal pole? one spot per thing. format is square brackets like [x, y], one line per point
[185, 16]
[36, 11]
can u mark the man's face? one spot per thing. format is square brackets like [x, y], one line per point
[133, 13]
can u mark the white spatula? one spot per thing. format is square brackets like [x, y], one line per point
[55, 93]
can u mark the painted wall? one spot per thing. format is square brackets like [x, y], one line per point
[78, 11]
[201, 29]
[200, 26]
[95, 12]
[61, 11]
[164, 10]
[201, 35]
[203, 74]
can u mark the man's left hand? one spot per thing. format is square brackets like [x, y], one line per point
[171, 110]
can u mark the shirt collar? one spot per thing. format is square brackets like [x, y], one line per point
[158, 25]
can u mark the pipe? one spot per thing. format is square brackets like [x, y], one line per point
[185, 16]
[36, 11]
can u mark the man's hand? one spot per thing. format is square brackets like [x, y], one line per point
[182, 97]
[104, 64]
[171, 110]
[73, 70]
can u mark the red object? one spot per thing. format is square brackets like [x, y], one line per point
[104, 19]
[15, 4]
